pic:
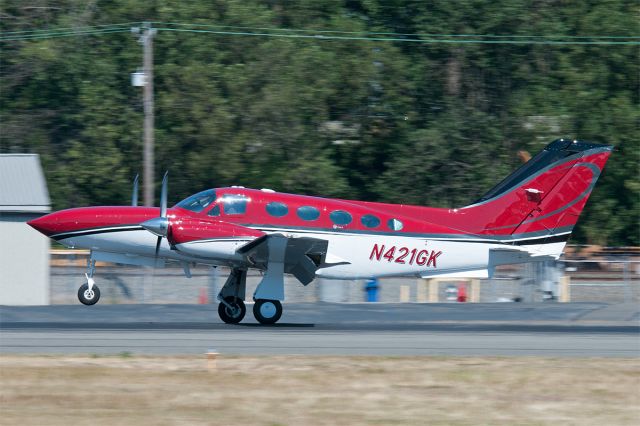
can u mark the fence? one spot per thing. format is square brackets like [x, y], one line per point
[580, 280]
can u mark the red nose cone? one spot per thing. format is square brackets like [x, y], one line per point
[73, 220]
[45, 224]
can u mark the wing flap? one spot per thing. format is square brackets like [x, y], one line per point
[303, 256]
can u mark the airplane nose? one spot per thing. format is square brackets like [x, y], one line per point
[46, 224]
[85, 218]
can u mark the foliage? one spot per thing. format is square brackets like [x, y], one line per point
[434, 124]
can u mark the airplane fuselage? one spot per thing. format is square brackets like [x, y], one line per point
[364, 241]
[526, 217]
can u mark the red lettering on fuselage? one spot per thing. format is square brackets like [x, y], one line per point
[376, 252]
[432, 258]
[420, 258]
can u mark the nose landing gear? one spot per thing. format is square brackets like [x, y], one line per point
[89, 293]
[88, 296]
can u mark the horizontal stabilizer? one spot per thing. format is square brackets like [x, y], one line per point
[510, 257]
[475, 273]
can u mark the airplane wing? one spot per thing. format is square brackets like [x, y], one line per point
[302, 257]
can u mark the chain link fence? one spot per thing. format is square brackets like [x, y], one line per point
[612, 281]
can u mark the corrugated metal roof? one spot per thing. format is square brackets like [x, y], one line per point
[22, 184]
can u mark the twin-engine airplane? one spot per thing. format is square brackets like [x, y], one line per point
[526, 217]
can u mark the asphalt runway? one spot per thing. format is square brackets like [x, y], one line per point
[547, 329]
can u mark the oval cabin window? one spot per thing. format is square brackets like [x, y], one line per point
[395, 224]
[277, 209]
[370, 221]
[340, 217]
[308, 213]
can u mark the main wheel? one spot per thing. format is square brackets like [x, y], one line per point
[232, 315]
[88, 297]
[267, 311]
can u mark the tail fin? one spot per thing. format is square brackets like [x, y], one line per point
[542, 200]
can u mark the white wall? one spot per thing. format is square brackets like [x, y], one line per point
[24, 263]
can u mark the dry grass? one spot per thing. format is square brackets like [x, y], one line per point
[296, 390]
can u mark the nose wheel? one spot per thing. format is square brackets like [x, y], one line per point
[267, 311]
[88, 296]
[89, 293]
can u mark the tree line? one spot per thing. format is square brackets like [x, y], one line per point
[365, 108]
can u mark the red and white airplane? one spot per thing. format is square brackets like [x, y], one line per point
[526, 217]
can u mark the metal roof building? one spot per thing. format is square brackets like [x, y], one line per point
[22, 184]
[24, 252]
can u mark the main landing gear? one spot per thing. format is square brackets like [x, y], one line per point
[89, 293]
[267, 311]
[232, 308]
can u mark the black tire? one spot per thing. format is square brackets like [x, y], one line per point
[229, 316]
[267, 311]
[87, 298]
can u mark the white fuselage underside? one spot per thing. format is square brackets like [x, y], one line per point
[353, 256]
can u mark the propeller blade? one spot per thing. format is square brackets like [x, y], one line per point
[158, 245]
[163, 195]
[134, 195]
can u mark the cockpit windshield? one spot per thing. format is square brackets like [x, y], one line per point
[198, 202]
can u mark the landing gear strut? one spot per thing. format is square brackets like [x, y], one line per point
[231, 308]
[89, 293]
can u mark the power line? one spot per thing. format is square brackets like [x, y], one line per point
[403, 40]
[91, 27]
[292, 33]
[41, 36]
[295, 30]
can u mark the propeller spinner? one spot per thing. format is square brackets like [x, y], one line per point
[160, 225]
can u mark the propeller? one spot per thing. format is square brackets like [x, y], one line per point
[159, 225]
[134, 194]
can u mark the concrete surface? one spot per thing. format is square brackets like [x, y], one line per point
[581, 329]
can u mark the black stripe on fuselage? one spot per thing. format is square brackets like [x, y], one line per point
[95, 231]
[524, 241]
[463, 238]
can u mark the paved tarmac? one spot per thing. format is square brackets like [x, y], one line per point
[499, 329]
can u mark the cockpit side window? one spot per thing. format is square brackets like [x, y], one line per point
[234, 204]
[198, 202]
[215, 211]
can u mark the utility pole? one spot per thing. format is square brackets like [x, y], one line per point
[146, 39]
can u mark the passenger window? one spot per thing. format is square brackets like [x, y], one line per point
[395, 224]
[308, 213]
[235, 204]
[215, 211]
[277, 209]
[370, 221]
[340, 217]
